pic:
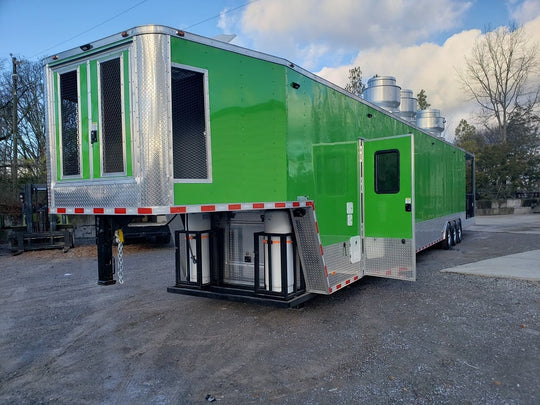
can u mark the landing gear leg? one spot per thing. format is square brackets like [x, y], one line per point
[104, 241]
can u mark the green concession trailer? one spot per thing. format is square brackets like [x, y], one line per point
[286, 184]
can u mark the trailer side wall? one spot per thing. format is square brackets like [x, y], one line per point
[248, 127]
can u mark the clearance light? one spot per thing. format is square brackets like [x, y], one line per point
[180, 33]
[124, 34]
[55, 57]
[370, 115]
[295, 85]
[86, 47]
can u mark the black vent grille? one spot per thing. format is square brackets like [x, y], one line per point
[111, 117]
[188, 125]
[70, 124]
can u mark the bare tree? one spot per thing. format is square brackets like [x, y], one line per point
[497, 72]
[32, 122]
[31, 146]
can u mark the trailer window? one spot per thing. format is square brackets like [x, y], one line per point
[387, 171]
[69, 111]
[189, 125]
[111, 116]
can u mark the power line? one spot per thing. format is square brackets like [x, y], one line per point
[222, 13]
[136, 5]
[96, 26]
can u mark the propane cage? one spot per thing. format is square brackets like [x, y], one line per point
[215, 259]
[287, 282]
[194, 261]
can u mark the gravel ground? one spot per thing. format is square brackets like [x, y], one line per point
[446, 338]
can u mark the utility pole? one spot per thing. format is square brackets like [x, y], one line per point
[14, 124]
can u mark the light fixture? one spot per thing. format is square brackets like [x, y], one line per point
[370, 115]
[86, 47]
[295, 85]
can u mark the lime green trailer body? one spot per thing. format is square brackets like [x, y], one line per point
[159, 121]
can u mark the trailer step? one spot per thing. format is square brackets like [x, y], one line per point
[238, 295]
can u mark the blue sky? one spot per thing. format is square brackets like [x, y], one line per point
[422, 43]
[37, 28]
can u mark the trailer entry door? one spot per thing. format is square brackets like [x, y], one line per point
[389, 246]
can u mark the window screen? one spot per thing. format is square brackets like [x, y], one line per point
[69, 111]
[190, 158]
[111, 117]
[387, 172]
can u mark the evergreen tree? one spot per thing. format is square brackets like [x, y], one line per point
[422, 100]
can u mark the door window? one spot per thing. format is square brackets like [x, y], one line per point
[387, 171]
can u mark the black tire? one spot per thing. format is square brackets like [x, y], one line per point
[447, 241]
[453, 231]
[459, 231]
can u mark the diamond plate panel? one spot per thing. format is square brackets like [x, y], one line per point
[309, 252]
[150, 90]
[338, 263]
[105, 195]
[390, 258]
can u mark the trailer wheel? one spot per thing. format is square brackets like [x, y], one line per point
[459, 231]
[453, 233]
[447, 241]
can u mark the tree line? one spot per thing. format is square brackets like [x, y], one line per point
[22, 128]
[499, 76]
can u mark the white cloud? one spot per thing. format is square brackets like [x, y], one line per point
[525, 11]
[372, 22]
[296, 27]
[427, 66]
[228, 22]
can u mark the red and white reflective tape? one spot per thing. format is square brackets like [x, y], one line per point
[343, 284]
[178, 209]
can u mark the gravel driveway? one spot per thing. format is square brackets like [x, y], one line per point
[447, 338]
